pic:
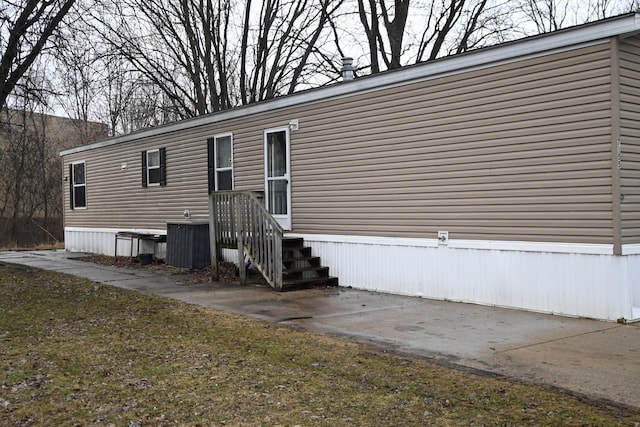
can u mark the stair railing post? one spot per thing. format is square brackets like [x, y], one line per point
[240, 237]
[213, 237]
[277, 259]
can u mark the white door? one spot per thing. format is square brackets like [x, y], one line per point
[277, 180]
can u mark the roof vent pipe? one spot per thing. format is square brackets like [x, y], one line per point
[347, 69]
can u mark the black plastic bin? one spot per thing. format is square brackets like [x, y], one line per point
[145, 258]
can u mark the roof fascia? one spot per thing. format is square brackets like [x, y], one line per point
[571, 38]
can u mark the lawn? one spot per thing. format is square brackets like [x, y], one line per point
[73, 352]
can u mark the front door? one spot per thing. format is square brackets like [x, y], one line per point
[277, 181]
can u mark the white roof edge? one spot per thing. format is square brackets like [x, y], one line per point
[623, 25]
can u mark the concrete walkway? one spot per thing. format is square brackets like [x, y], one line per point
[589, 357]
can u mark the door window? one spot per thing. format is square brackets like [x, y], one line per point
[277, 176]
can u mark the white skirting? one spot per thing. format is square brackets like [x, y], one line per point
[102, 241]
[561, 278]
[574, 280]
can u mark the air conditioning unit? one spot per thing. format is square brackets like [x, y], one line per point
[188, 244]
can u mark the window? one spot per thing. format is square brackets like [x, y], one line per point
[220, 153]
[78, 185]
[154, 168]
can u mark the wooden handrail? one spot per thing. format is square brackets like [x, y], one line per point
[238, 219]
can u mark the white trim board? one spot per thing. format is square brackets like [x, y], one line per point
[632, 249]
[504, 245]
[116, 230]
[554, 247]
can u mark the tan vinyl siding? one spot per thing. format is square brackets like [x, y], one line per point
[116, 198]
[519, 151]
[516, 152]
[630, 137]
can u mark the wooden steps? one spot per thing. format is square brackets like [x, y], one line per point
[300, 268]
[241, 221]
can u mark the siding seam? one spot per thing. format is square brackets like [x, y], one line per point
[615, 147]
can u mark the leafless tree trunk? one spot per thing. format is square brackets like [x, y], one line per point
[462, 23]
[370, 20]
[471, 27]
[394, 21]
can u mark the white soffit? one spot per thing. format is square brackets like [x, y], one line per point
[544, 44]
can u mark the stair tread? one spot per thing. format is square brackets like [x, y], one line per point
[286, 253]
[301, 258]
[296, 248]
[306, 268]
[328, 280]
[302, 249]
[288, 241]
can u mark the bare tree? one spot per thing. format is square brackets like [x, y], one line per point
[30, 140]
[131, 101]
[25, 154]
[25, 28]
[404, 32]
[179, 47]
[278, 53]
[547, 15]
[78, 80]
[210, 55]
[552, 15]
[401, 32]
[601, 9]
[394, 21]
[149, 36]
[444, 19]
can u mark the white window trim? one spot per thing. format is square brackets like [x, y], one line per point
[149, 183]
[216, 169]
[73, 184]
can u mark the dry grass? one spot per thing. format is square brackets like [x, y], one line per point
[73, 352]
[39, 247]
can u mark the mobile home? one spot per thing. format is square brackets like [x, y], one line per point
[506, 176]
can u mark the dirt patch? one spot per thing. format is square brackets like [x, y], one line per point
[227, 271]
